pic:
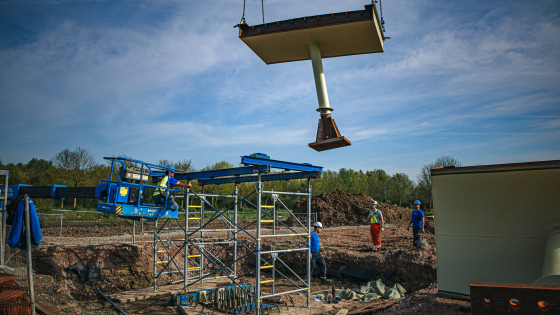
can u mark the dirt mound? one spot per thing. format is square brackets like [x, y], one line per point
[340, 209]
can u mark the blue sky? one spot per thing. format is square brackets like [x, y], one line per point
[477, 80]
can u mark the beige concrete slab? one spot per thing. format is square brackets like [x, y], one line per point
[338, 34]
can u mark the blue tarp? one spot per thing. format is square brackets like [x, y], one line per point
[16, 238]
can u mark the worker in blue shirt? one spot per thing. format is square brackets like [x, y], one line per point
[316, 257]
[417, 223]
[167, 181]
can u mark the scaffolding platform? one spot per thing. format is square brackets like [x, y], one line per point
[197, 258]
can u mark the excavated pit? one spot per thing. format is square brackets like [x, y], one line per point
[346, 241]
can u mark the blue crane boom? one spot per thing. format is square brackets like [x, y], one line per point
[124, 193]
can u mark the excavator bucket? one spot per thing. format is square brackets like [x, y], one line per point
[328, 136]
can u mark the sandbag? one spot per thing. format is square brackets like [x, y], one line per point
[379, 287]
[391, 294]
[370, 296]
[400, 288]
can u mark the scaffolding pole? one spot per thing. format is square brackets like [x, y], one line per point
[236, 191]
[201, 261]
[155, 253]
[3, 217]
[258, 261]
[29, 256]
[186, 255]
[308, 242]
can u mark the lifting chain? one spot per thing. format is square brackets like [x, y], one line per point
[243, 17]
[381, 12]
[243, 21]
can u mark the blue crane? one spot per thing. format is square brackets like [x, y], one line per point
[124, 193]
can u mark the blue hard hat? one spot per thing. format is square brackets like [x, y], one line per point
[170, 168]
[417, 202]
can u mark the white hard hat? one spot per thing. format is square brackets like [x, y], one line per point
[373, 202]
[318, 224]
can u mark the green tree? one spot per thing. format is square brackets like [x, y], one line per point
[425, 177]
[186, 166]
[349, 180]
[223, 189]
[40, 172]
[377, 184]
[328, 182]
[73, 166]
[400, 187]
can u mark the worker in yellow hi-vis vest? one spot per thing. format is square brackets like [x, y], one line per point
[376, 226]
[160, 194]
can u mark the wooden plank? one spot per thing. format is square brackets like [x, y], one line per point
[46, 308]
[142, 294]
[342, 312]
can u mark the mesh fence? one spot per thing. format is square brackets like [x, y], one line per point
[16, 264]
[14, 282]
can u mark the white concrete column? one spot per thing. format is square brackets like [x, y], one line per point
[320, 83]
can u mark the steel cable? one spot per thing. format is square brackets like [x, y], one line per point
[262, 4]
[243, 17]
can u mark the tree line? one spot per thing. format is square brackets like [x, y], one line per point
[77, 168]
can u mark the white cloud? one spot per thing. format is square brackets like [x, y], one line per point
[469, 76]
[121, 70]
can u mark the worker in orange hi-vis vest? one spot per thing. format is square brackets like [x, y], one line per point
[376, 219]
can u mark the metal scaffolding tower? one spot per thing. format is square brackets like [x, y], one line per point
[205, 256]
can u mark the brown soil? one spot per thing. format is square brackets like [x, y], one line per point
[426, 301]
[343, 209]
[126, 267]
[346, 241]
[86, 231]
[122, 267]
[351, 247]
